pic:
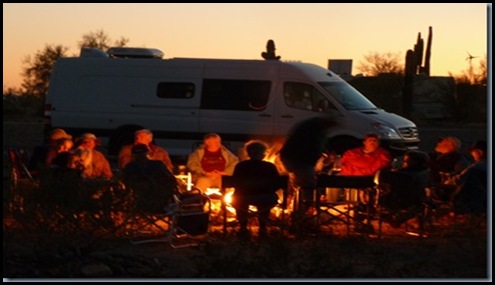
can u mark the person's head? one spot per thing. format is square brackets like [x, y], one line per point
[256, 149]
[140, 150]
[415, 159]
[81, 158]
[371, 142]
[212, 142]
[143, 136]
[64, 145]
[478, 150]
[448, 145]
[88, 141]
[58, 134]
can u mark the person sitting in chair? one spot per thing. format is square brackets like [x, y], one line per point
[365, 160]
[256, 188]
[155, 152]
[404, 189]
[446, 163]
[209, 161]
[152, 182]
[471, 194]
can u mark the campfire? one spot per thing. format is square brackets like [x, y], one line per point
[216, 203]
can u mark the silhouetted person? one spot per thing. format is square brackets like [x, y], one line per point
[155, 152]
[471, 194]
[152, 182]
[301, 151]
[256, 187]
[404, 189]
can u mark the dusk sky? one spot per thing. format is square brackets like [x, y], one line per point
[311, 33]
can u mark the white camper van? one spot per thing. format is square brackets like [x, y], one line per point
[113, 94]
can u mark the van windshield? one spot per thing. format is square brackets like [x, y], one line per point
[347, 96]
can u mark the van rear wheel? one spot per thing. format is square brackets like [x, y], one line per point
[122, 136]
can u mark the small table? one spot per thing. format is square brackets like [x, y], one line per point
[334, 209]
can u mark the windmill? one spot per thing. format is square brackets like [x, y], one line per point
[470, 60]
[470, 57]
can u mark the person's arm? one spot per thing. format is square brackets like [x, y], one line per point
[101, 165]
[461, 164]
[50, 156]
[166, 160]
[385, 159]
[273, 172]
[347, 162]
[194, 162]
[125, 156]
[230, 161]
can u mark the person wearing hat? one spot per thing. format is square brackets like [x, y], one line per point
[44, 154]
[446, 162]
[95, 163]
[58, 134]
[471, 195]
[144, 136]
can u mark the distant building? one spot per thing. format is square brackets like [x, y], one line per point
[343, 67]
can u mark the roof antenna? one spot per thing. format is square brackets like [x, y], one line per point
[270, 51]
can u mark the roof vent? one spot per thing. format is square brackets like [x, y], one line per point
[92, 52]
[126, 52]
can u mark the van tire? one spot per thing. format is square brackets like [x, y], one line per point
[340, 144]
[122, 136]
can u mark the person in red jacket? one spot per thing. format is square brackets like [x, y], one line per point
[366, 160]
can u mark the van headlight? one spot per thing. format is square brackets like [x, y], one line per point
[385, 131]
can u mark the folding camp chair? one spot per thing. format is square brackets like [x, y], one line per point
[21, 179]
[279, 220]
[146, 218]
[343, 209]
[402, 197]
[70, 204]
[190, 219]
[183, 223]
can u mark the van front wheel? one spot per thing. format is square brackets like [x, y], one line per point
[341, 144]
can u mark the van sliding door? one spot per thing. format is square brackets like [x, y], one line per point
[236, 109]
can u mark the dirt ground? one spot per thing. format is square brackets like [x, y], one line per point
[453, 251]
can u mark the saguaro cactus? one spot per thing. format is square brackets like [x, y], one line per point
[410, 71]
[426, 69]
[413, 67]
[418, 54]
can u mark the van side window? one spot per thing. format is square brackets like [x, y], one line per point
[175, 90]
[306, 97]
[242, 95]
